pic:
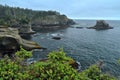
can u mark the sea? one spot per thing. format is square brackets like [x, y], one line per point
[87, 46]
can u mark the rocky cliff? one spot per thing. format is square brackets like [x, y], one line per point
[52, 22]
[10, 41]
[16, 17]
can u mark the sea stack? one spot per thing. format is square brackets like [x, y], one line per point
[101, 25]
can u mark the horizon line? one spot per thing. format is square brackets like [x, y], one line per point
[94, 18]
[81, 18]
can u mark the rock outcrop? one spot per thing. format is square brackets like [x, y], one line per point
[16, 17]
[26, 29]
[10, 41]
[101, 25]
[51, 22]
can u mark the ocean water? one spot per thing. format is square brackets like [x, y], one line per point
[88, 46]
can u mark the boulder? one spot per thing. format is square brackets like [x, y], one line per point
[101, 25]
[10, 41]
[56, 38]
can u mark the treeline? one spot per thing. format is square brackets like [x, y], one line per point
[10, 16]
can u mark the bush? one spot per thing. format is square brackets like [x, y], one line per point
[57, 67]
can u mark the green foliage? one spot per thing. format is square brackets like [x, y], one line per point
[11, 16]
[119, 61]
[57, 67]
[11, 70]
[23, 53]
[53, 71]
[94, 73]
[24, 21]
[58, 56]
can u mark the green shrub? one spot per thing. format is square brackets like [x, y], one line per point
[23, 53]
[57, 67]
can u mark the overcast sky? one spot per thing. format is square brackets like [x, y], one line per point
[79, 9]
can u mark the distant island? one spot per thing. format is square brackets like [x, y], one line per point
[19, 17]
[101, 25]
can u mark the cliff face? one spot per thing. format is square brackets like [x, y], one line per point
[52, 22]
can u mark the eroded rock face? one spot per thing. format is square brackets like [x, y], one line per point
[8, 45]
[10, 41]
[26, 29]
[101, 25]
[52, 22]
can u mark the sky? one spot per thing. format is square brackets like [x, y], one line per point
[74, 9]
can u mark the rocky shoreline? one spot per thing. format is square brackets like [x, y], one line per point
[10, 41]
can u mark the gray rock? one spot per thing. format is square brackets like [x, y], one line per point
[10, 41]
[101, 25]
[52, 22]
[26, 29]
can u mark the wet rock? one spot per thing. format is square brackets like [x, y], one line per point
[79, 27]
[74, 64]
[56, 38]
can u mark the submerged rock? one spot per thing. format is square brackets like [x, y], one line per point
[10, 41]
[101, 25]
[79, 27]
[56, 38]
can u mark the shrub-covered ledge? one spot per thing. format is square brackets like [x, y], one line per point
[57, 67]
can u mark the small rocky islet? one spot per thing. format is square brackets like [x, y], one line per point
[101, 25]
